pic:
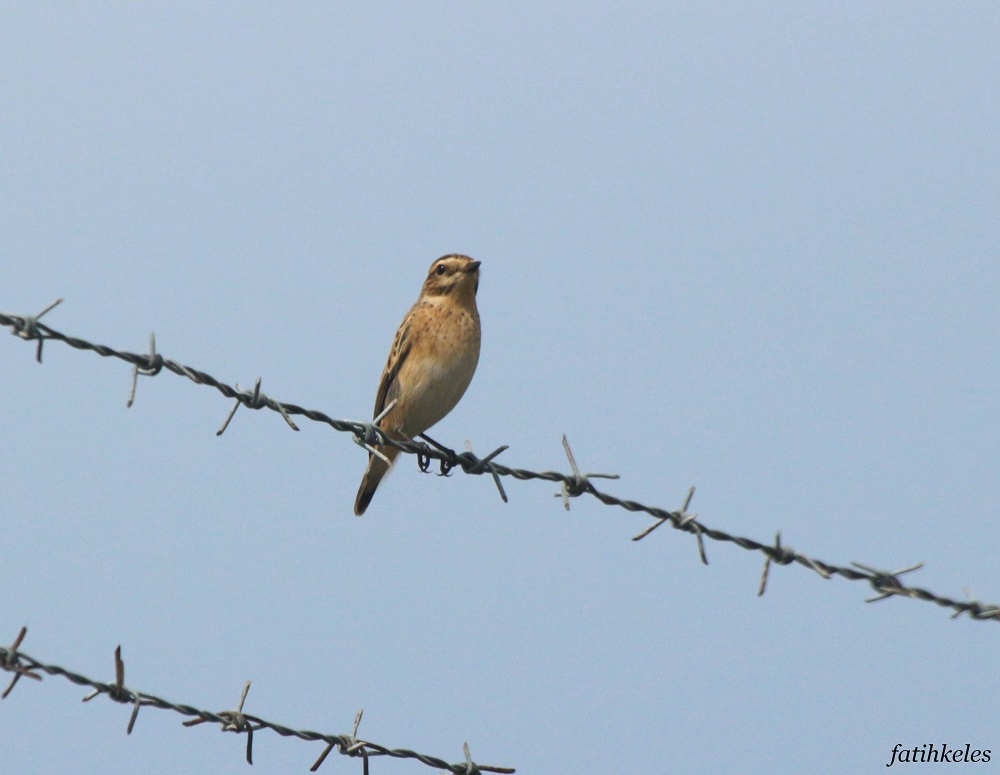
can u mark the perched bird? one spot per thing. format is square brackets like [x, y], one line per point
[431, 362]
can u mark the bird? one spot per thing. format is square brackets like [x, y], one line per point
[431, 362]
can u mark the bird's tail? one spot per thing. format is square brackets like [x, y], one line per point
[377, 468]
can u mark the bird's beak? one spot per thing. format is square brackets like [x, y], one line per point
[472, 266]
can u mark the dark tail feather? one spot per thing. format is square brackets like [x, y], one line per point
[364, 498]
[373, 475]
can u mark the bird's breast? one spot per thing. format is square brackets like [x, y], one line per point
[443, 358]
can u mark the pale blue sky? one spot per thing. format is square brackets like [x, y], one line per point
[749, 247]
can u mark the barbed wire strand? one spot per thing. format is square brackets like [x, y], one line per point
[21, 664]
[367, 434]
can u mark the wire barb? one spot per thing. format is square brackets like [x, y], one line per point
[152, 367]
[28, 328]
[349, 746]
[572, 485]
[372, 435]
[679, 518]
[471, 767]
[886, 583]
[255, 400]
[478, 466]
[577, 484]
[767, 565]
[11, 663]
[231, 721]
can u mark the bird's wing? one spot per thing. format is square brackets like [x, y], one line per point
[388, 387]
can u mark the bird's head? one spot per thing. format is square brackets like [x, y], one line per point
[452, 275]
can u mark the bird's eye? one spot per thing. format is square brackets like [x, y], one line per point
[440, 269]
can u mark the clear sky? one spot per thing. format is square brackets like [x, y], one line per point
[750, 247]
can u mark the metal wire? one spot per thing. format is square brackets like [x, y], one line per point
[236, 720]
[885, 583]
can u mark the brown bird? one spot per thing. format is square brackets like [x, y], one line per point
[431, 362]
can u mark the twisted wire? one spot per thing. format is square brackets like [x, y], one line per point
[22, 665]
[885, 583]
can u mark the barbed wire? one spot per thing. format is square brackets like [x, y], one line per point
[22, 665]
[886, 583]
